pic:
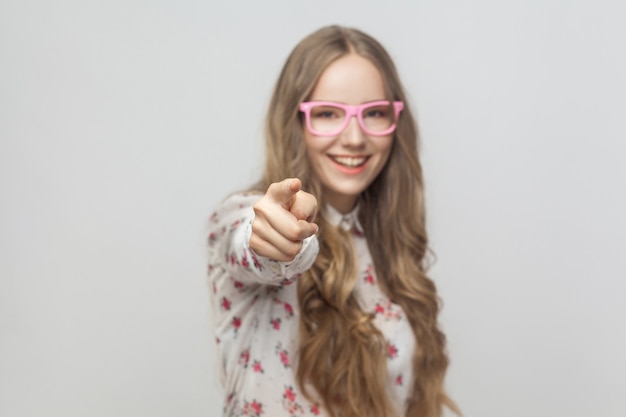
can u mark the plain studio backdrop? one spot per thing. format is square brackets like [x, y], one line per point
[123, 123]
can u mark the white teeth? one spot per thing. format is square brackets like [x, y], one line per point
[349, 161]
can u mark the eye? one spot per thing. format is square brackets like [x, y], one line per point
[325, 112]
[377, 112]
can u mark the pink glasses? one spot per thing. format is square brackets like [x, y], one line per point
[327, 118]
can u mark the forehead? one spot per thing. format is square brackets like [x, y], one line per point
[350, 79]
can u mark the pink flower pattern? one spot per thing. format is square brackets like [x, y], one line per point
[252, 409]
[369, 275]
[276, 324]
[388, 310]
[257, 367]
[399, 380]
[244, 261]
[392, 351]
[288, 309]
[283, 354]
[284, 358]
[289, 394]
[292, 407]
[236, 323]
[244, 358]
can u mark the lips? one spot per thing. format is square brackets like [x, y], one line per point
[349, 161]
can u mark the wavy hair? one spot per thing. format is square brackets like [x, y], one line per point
[342, 355]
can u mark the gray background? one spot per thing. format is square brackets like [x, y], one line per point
[122, 123]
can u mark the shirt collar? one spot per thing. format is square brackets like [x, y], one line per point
[348, 222]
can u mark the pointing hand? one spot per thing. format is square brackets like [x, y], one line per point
[283, 219]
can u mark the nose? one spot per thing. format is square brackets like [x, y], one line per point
[353, 135]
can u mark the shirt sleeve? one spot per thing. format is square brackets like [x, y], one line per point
[230, 227]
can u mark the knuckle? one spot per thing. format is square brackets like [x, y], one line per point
[293, 232]
[275, 188]
[293, 250]
[298, 213]
[255, 244]
[260, 209]
[255, 227]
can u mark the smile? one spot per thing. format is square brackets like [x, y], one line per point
[350, 161]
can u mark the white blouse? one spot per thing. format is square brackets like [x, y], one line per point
[255, 316]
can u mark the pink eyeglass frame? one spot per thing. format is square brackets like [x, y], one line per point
[305, 107]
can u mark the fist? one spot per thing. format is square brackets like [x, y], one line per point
[283, 218]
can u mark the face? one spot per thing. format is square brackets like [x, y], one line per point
[348, 163]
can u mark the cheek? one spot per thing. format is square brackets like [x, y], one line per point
[385, 150]
[314, 155]
[315, 147]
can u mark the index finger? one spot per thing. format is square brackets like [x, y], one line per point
[283, 192]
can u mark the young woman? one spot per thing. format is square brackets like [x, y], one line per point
[321, 302]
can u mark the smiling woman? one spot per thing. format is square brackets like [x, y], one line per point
[347, 158]
[321, 299]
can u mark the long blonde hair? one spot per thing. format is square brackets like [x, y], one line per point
[342, 354]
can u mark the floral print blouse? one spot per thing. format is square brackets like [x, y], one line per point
[255, 316]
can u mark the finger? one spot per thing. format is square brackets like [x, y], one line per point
[272, 216]
[280, 234]
[283, 192]
[308, 228]
[304, 206]
[264, 248]
[277, 255]
[288, 226]
[269, 243]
